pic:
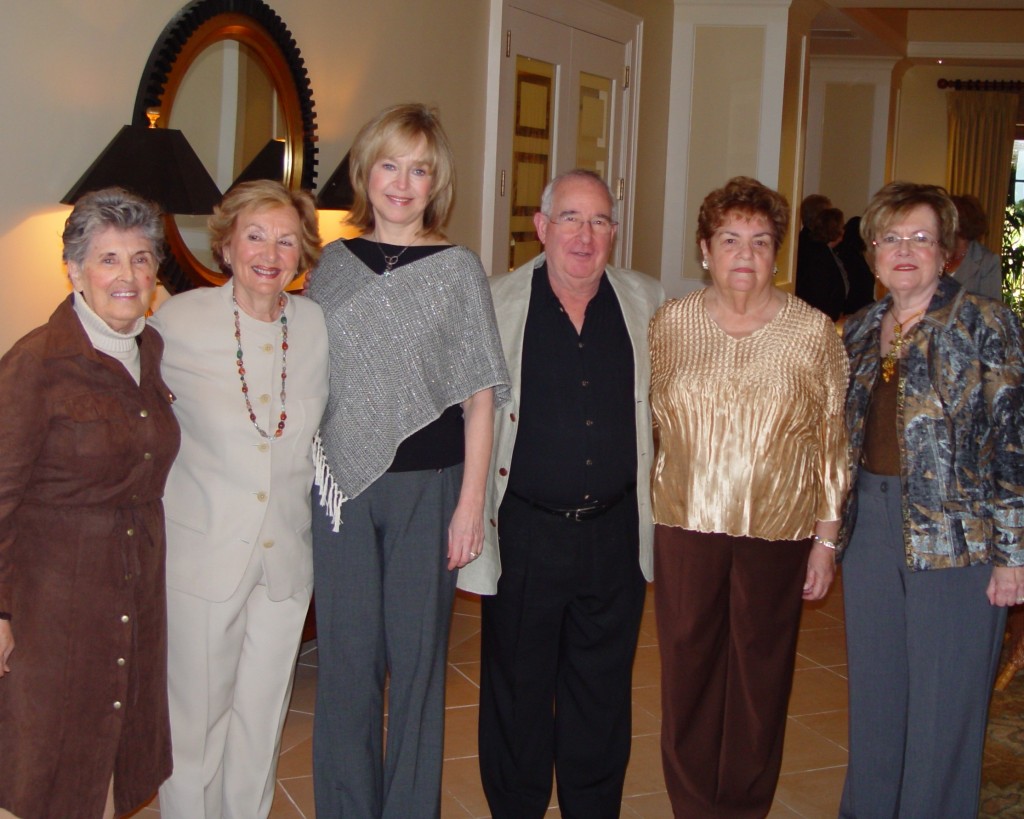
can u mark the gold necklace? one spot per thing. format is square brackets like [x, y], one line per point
[898, 340]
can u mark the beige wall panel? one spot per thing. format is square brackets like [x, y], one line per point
[725, 111]
[846, 145]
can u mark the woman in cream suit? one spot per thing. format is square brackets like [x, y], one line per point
[248, 365]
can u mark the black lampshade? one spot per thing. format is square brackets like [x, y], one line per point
[336, 193]
[267, 164]
[155, 163]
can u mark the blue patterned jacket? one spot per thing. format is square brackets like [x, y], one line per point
[960, 422]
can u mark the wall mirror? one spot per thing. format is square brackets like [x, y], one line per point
[228, 74]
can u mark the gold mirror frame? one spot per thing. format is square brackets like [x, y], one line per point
[254, 24]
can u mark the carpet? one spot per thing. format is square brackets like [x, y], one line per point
[1002, 777]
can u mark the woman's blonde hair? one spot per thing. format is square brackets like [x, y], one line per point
[397, 130]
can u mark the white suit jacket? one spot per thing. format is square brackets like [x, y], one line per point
[230, 491]
[639, 296]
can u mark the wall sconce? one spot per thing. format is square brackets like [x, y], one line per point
[155, 163]
[336, 193]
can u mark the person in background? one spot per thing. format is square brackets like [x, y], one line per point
[568, 537]
[821, 280]
[850, 252]
[402, 462]
[248, 364]
[810, 207]
[972, 264]
[749, 477]
[87, 438]
[931, 541]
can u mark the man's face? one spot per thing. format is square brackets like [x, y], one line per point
[576, 257]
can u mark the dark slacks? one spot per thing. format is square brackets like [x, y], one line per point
[728, 611]
[557, 650]
[383, 608]
[923, 649]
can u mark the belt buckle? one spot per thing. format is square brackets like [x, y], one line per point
[584, 513]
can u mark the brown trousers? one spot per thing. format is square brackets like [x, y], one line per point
[728, 611]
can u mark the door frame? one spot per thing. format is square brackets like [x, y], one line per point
[593, 17]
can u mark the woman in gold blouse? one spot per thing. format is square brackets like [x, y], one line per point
[747, 389]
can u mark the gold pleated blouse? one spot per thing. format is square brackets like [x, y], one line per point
[749, 432]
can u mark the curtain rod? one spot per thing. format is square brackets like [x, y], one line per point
[1013, 86]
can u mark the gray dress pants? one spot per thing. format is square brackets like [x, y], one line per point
[922, 648]
[383, 607]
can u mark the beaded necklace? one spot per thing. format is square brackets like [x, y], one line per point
[284, 372]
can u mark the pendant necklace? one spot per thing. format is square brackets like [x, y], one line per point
[898, 342]
[389, 261]
[277, 433]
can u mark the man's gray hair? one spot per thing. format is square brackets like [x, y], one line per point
[548, 196]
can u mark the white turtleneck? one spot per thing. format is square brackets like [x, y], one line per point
[106, 339]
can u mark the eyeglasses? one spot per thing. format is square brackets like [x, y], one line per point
[919, 241]
[573, 223]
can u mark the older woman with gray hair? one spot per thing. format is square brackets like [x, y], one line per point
[87, 436]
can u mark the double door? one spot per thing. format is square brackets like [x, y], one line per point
[563, 104]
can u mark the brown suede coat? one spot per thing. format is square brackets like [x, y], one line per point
[84, 453]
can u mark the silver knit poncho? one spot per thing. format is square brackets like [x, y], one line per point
[404, 347]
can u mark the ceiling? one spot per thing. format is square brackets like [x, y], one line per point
[954, 5]
[846, 28]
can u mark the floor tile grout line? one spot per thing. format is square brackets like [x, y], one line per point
[463, 674]
[292, 800]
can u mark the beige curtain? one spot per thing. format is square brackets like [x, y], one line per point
[981, 130]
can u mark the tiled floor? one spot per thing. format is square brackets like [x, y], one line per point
[813, 764]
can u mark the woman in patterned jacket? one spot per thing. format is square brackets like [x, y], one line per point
[934, 522]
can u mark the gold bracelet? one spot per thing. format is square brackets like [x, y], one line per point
[828, 544]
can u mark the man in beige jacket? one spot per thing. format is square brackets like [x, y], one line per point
[568, 532]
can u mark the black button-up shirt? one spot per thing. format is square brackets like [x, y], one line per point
[576, 442]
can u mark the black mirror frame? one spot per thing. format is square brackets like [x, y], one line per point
[255, 24]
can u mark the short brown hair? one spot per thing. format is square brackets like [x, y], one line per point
[899, 198]
[749, 197]
[812, 206]
[971, 220]
[826, 226]
[396, 130]
[265, 194]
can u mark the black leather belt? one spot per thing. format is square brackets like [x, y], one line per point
[577, 514]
